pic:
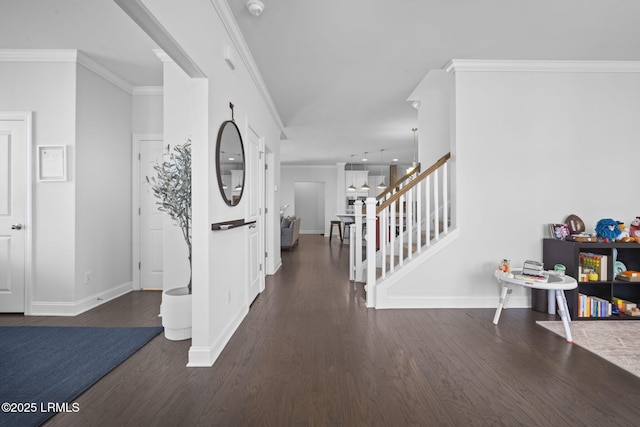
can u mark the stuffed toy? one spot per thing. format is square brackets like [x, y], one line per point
[634, 230]
[608, 229]
[623, 230]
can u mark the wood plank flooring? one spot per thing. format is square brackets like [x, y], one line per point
[310, 353]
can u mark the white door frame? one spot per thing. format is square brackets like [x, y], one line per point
[261, 206]
[260, 202]
[135, 205]
[263, 215]
[27, 118]
[272, 217]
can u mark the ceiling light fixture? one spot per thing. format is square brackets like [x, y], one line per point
[351, 187]
[381, 186]
[416, 105]
[255, 7]
[365, 186]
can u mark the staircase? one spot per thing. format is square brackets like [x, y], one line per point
[404, 225]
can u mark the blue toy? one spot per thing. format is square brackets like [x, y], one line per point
[608, 229]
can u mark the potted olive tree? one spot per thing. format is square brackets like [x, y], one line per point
[172, 187]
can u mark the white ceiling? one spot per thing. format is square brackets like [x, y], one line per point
[97, 27]
[340, 71]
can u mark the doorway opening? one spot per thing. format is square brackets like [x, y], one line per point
[309, 200]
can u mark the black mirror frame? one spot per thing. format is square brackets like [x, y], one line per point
[218, 167]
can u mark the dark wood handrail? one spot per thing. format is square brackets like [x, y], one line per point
[413, 183]
[398, 182]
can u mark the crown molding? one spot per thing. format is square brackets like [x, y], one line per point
[145, 20]
[231, 26]
[91, 65]
[472, 65]
[38, 55]
[148, 91]
[65, 55]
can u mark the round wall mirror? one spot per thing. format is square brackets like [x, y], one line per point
[230, 162]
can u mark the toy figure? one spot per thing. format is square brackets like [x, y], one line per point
[608, 229]
[634, 230]
[623, 231]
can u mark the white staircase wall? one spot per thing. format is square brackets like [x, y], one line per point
[532, 143]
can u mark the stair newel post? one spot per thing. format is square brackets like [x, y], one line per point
[357, 210]
[352, 255]
[352, 246]
[370, 204]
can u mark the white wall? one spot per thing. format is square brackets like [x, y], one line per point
[82, 224]
[103, 187]
[147, 112]
[435, 93]
[309, 206]
[436, 126]
[219, 258]
[326, 174]
[178, 128]
[48, 89]
[530, 149]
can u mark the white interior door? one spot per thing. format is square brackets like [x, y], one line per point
[253, 188]
[150, 218]
[13, 194]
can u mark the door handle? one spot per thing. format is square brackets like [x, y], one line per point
[16, 227]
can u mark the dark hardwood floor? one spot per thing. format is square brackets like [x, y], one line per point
[311, 353]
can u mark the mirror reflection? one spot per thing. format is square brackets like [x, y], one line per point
[230, 163]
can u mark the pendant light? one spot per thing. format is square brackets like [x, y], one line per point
[415, 147]
[381, 186]
[365, 186]
[351, 187]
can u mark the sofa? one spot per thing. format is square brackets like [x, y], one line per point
[289, 231]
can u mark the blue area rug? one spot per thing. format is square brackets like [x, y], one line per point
[43, 369]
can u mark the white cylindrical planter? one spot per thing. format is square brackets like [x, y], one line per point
[176, 314]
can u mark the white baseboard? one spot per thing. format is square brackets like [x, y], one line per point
[50, 308]
[451, 302]
[277, 267]
[205, 357]
[201, 357]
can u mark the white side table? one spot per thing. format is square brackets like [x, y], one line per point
[559, 284]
